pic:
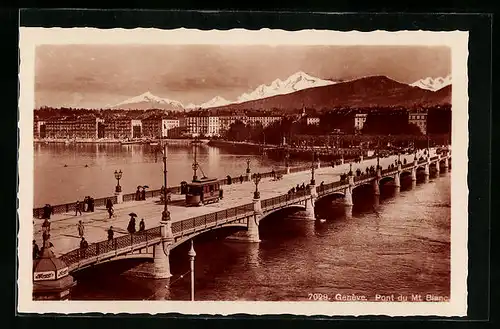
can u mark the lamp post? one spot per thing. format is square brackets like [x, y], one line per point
[313, 182]
[165, 215]
[248, 165]
[192, 255]
[399, 158]
[195, 162]
[256, 180]
[118, 176]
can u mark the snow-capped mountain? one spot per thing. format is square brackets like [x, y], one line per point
[190, 106]
[295, 82]
[147, 99]
[214, 102]
[432, 83]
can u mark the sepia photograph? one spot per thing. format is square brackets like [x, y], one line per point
[270, 172]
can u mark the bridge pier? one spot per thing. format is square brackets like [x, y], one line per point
[376, 182]
[397, 180]
[446, 164]
[348, 193]
[426, 169]
[161, 252]
[161, 261]
[119, 197]
[252, 222]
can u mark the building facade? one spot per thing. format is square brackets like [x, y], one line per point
[118, 128]
[264, 120]
[69, 128]
[419, 119]
[169, 127]
[359, 121]
[312, 121]
[202, 125]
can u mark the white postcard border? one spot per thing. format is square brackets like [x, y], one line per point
[456, 40]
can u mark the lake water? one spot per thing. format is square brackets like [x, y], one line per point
[396, 244]
[66, 173]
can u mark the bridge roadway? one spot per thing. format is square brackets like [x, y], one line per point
[64, 232]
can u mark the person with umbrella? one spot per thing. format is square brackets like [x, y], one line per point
[143, 192]
[131, 223]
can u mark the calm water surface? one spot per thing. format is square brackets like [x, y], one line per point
[54, 183]
[398, 245]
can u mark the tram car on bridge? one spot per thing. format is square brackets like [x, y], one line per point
[202, 191]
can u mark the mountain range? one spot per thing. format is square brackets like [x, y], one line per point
[302, 90]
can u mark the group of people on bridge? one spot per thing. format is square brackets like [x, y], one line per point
[299, 188]
[88, 205]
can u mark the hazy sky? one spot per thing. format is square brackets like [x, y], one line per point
[100, 75]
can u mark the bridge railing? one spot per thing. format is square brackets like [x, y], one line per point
[71, 206]
[270, 202]
[190, 224]
[325, 188]
[101, 202]
[104, 247]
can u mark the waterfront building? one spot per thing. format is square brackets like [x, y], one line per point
[312, 121]
[419, 118]
[136, 128]
[359, 121]
[202, 124]
[152, 127]
[226, 121]
[69, 128]
[169, 126]
[118, 128]
[265, 120]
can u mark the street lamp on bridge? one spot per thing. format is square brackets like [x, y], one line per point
[165, 215]
[256, 179]
[248, 165]
[118, 176]
[313, 181]
[192, 255]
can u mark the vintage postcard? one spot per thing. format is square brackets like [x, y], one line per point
[253, 172]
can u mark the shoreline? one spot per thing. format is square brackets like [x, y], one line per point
[114, 141]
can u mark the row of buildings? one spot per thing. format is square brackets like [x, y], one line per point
[125, 128]
[418, 118]
[90, 127]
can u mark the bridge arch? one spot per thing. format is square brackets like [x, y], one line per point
[230, 226]
[333, 195]
[386, 179]
[362, 186]
[296, 206]
[144, 255]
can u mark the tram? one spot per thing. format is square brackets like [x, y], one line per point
[202, 191]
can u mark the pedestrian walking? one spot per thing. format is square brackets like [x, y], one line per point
[83, 247]
[78, 208]
[81, 229]
[109, 207]
[241, 179]
[111, 233]
[142, 226]
[143, 194]
[138, 194]
[131, 225]
[36, 250]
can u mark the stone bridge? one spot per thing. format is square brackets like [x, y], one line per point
[157, 242]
